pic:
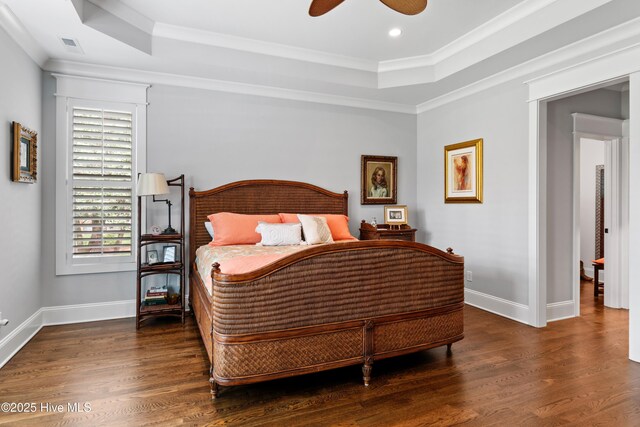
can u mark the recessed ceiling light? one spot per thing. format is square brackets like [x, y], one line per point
[395, 32]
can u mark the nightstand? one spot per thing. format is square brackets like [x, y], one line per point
[384, 232]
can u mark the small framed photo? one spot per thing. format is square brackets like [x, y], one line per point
[24, 163]
[463, 172]
[169, 253]
[152, 257]
[395, 215]
[379, 180]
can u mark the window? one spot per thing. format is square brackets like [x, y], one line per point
[101, 189]
[100, 151]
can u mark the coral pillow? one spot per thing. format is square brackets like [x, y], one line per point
[237, 229]
[338, 224]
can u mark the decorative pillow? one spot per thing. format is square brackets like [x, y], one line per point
[209, 227]
[237, 229]
[279, 234]
[338, 224]
[315, 229]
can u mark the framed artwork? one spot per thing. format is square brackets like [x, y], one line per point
[463, 172]
[24, 163]
[379, 180]
[169, 253]
[152, 257]
[395, 215]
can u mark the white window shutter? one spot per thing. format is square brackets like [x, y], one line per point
[102, 180]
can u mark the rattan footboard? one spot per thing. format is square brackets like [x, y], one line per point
[330, 306]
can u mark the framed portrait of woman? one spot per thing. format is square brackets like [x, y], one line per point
[379, 180]
[463, 172]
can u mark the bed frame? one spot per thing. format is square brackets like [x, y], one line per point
[323, 307]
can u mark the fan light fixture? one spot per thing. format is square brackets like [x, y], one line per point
[407, 7]
[395, 32]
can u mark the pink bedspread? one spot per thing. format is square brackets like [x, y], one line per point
[238, 259]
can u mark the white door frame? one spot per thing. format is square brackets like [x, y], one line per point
[623, 64]
[609, 131]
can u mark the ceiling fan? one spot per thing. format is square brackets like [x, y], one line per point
[407, 7]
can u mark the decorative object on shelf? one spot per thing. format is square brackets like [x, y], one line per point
[406, 7]
[463, 172]
[172, 299]
[379, 184]
[152, 257]
[395, 215]
[374, 223]
[169, 253]
[155, 184]
[387, 232]
[24, 164]
[168, 299]
[155, 230]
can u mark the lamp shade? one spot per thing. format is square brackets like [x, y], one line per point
[152, 184]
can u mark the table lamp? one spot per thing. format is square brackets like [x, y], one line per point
[155, 184]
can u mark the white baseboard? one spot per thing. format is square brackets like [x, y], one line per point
[560, 310]
[79, 313]
[61, 315]
[19, 337]
[499, 306]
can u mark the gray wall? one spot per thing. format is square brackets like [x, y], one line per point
[215, 138]
[606, 103]
[21, 213]
[492, 236]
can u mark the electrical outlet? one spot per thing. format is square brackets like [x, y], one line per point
[469, 276]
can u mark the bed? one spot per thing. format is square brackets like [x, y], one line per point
[322, 307]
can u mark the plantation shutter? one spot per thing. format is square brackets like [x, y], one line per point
[102, 182]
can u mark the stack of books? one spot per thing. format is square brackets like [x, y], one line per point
[156, 295]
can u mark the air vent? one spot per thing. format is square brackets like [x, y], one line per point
[71, 45]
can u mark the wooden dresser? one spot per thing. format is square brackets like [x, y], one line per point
[384, 231]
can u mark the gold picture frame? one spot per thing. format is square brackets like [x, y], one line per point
[395, 215]
[463, 172]
[24, 165]
[379, 180]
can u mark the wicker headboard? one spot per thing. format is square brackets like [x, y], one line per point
[258, 197]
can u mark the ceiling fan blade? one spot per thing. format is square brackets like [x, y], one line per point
[408, 7]
[320, 7]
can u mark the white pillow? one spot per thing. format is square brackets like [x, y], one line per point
[209, 227]
[315, 229]
[279, 234]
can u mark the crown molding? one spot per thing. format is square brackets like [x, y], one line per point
[487, 29]
[152, 77]
[18, 32]
[627, 32]
[518, 24]
[480, 43]
[228, 41]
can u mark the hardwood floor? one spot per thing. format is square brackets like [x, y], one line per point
[575, 371]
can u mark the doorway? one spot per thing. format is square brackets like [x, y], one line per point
[596, 115]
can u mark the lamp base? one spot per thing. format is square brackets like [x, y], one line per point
[169, 230]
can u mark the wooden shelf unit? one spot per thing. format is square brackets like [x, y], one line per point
[177, 268]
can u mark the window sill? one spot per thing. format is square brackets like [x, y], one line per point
[66, 270]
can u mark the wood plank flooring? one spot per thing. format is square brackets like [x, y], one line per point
[574, 372]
